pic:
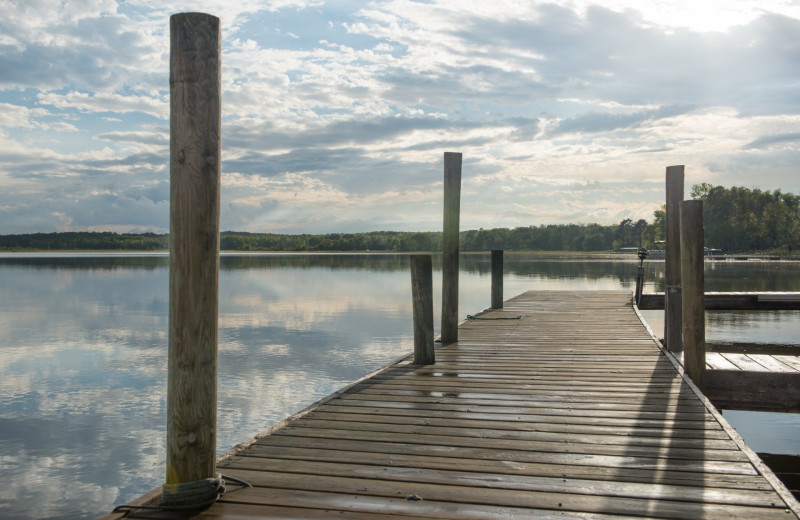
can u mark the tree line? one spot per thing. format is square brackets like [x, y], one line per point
[740, 219]
[561, 237]
[85, 240]
[736, 220]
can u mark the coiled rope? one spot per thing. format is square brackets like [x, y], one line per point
[174, 494]
[471, 317]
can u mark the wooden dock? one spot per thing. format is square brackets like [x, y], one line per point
[753, 381]
[571, 411]
[746, 376]
[733, 301]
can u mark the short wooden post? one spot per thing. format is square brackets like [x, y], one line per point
[693, 290]
[194, 258]
[497, 278]
[672, 268]
[637, 295]
[422, 296]
[452, 208]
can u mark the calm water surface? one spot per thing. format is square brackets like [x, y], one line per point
[83, 341]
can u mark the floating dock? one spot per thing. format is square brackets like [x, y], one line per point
[733, 301]
[746, 376]
[560, 405]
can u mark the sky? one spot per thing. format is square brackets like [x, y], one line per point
[336, 115]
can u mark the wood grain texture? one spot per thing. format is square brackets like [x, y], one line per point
[672, 260]
[693, 315]
[765, 391]
[450, 263]
[497, 279]
[572, 411]
[194, 246]
[422, 300]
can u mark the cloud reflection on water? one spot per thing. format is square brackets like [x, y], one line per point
[83, 375]
[83, 361]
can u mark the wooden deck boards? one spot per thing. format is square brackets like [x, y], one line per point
[746, 381]
[571, 411]
[752, 362]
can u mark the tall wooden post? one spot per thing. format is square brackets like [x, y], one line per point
[194, 258]
[693, 290]
[422, 296]
[497, 279]
[672, 268]
[452, 208]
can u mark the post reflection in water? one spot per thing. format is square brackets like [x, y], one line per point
[83, 346]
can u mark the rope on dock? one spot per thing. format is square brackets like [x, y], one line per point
[187, 490]
[194, 492]
[471, 317]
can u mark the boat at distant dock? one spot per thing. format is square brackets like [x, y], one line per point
[661, 252]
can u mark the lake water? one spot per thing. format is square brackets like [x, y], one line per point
[83, 342]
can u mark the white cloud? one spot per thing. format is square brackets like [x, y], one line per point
[353, 106]
[32, 21]
[15, 116]
[108, 102]
[55, 44]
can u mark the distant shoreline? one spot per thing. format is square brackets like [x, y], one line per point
[521, 252]
[549, 242]
[530, 254]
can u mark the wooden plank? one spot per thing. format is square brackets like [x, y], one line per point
[510, 444]
[553, 391]
[282, 503]
[490, 410]
[542, 374]
[551, 415]
[551, 500]
[744, 362]
[522, 433]
[650, 462]
[753, 348]
[661, 476]
[536, 384]
[751, 362]
[674, 434]
[771, 363]
[793, 361]
[486, 479]
[717, 361]
[779, 296]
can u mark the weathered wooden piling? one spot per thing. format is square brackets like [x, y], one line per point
[452, 208]
[194, 258]
[693, 290]
[497, 278]
[422, 296]
[672, 267]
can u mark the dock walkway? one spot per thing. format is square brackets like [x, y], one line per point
[571, 411]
